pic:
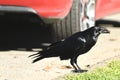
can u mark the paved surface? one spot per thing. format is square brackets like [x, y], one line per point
[15, 65]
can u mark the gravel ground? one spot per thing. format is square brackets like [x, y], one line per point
[15, 65]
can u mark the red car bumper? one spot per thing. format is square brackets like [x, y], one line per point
[106, 7]
[43, 8]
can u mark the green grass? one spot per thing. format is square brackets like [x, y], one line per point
[110, 72]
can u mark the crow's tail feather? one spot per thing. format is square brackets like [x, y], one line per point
[36, 57]
[50, 52]
[33, 55]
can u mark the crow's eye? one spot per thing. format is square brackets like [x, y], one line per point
[99, 29]
[96, 32]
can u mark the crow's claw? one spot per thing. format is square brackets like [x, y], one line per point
[79, 71]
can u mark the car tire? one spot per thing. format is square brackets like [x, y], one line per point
[71, 23]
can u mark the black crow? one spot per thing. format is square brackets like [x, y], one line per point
[72, 47]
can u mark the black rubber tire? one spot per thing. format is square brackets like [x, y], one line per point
[68, 25]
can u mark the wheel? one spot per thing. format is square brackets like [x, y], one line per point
[71, 24]
[87, 14]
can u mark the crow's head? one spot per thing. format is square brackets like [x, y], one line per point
[95, 31]
[100, 30]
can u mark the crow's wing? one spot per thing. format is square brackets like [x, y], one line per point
[56, 44]
[72, 46]
[53, 46]
[75, 41]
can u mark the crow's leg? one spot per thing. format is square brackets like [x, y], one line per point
[75, 60]
[78, 68]
[72, 61]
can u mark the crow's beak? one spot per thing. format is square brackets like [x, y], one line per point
[104, 30]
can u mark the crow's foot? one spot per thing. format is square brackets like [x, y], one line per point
[79, 71]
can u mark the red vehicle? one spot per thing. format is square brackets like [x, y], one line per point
[66, 16]
[107, 7]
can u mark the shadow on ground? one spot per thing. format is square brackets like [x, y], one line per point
[16, 33]
[108, 22]
[20, 33]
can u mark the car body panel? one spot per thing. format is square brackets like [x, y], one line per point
[60, 8]
[44, 8]
[107, 7]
